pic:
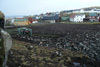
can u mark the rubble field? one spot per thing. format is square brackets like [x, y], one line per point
[24, 54]
[83, 38]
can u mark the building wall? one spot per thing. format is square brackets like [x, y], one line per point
[81, 11]
[21, 23]
[77, 18]
[49, 21]
[71, 19]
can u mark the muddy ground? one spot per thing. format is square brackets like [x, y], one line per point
[24, 54]
[84, 38]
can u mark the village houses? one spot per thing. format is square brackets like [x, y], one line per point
[76, 15]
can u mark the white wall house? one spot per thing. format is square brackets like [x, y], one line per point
[77, 18]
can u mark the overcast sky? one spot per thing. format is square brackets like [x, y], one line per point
[31, 7]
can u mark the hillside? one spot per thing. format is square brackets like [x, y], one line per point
[97, 7]
[65, 14]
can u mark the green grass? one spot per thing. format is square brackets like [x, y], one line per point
[11, 31]
[15, 31]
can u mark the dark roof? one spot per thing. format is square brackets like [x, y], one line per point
[77, 10]
[56, 17]
[87, 9]
[33, 17]
[68, 11]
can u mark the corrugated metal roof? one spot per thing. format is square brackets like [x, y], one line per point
[64, 18]
[92, 14]
[87, 9]
[56, 17]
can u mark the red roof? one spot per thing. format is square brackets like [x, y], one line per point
[32, 19]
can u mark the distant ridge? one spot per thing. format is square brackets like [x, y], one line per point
[97, 7]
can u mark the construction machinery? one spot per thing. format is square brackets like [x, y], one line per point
[25, 31]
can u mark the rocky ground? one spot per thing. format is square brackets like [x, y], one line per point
[75, 37]
[24, 54]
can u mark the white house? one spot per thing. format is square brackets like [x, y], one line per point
[94, 10]
[82, 11]
[77, 18]
[78, 11]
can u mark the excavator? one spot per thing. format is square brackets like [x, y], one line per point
[25, 31]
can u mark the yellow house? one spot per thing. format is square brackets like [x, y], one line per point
[21, 22]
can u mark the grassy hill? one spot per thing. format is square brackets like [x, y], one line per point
[65, 14]
[97, 7]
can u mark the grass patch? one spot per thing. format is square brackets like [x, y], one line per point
[12, 31]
